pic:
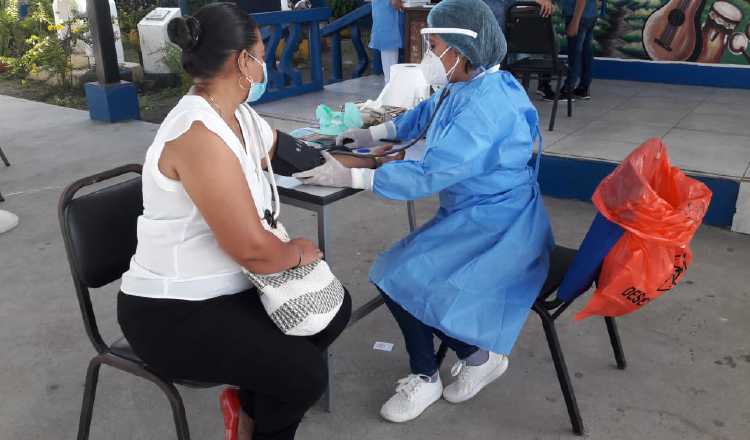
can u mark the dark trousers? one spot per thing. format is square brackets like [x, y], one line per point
[580, 54]
[231, 340]
[419, 340]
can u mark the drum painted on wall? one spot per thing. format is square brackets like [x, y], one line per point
[723, 18]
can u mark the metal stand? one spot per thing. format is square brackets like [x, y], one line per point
[7, 164]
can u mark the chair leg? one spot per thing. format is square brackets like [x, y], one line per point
[89, 394]
[614, 338]
[328, 395]
[554, 104]
[4, 157]
[526, 79]
[561, 368]
[2, 199]
[178, 410]
[570, 107]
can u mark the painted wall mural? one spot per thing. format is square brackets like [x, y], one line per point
[703, 31]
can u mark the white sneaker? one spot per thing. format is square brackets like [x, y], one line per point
[413, 395]
[471, 380]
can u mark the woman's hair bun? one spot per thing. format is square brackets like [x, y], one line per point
[184, 32]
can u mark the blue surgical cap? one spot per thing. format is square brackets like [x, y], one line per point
[489, 48]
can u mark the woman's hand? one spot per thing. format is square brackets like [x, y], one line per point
[547, 7]
[309, 253]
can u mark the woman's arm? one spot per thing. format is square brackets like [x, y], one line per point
[214, 180]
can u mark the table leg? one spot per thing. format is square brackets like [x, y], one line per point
[412, 211]
[322, 230]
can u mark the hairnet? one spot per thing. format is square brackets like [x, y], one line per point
[488, 48]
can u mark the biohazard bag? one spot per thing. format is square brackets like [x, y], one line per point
[659, 208]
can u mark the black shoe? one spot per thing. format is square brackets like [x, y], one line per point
[546, 93]
[549, 95]
[583, 94]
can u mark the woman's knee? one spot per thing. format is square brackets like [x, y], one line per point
[311, 381]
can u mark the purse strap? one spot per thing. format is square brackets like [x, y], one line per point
[271, 217]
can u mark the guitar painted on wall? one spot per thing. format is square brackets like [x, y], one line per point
[672, 32]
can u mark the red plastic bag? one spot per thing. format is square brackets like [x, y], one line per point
[660, 208]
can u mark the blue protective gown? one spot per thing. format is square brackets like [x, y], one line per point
[387, 26]
[474, 270]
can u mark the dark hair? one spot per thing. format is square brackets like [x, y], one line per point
[207, 39]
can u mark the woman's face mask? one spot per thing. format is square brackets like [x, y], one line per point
[257, 89]
[433, 70]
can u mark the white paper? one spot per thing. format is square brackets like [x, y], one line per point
[285, 181]
[383, 346]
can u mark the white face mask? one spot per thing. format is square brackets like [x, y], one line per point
[434, 71]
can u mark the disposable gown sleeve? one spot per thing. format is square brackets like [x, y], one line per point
[470, 146]
[410, 124]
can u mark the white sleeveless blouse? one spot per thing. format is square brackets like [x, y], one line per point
[178, 256]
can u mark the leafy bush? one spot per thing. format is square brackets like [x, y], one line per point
[339, 8]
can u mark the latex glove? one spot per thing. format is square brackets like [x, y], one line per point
[368, 137]
[333, 173]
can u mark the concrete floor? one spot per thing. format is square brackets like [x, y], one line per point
[689, 356]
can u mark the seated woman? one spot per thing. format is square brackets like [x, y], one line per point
[470, 275]
[186, 307]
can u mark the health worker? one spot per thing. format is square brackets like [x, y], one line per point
[470, 275]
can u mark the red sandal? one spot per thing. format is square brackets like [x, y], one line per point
[230, 408]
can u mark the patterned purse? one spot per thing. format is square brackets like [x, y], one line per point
[303, 300]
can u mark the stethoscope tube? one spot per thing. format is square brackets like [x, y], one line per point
[347, 152]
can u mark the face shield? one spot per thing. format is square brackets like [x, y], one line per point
[431, 65]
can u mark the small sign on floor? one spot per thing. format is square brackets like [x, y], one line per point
[383, 346]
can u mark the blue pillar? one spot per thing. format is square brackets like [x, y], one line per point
[109, 99]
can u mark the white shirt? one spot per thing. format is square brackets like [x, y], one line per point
[178, 256]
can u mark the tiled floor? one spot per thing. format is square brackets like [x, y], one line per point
[706, 129]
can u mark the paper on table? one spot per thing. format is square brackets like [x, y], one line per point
[286, 181]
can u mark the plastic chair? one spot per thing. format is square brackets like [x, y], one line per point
[99, 231]
[576, 268]
[528, 33]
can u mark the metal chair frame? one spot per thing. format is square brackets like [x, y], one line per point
[7, 164]
[115, 355]
[549, 308]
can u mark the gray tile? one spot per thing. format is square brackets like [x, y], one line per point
[729, 96]
[668, 118]
[676, 91]
[585, 146]
[736, 123]
[722, 108]
[610, 131]
[365, 85]
[660, 103]
[711, 153]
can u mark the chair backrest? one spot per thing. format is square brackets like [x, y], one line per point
[99, 231]
[528, 32]
[584, 270]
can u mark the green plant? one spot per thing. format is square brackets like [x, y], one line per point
[173, 60]
[52, 52]
[339, 8]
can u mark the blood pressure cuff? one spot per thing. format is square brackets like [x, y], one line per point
[293, 156]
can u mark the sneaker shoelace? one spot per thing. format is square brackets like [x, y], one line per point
[409, 384]
[460, 369]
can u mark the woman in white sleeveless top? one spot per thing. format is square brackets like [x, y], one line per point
[185, 306]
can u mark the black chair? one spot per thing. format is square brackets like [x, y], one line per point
[529, 33]
[99, 230]
[7, 164]
[549, 308]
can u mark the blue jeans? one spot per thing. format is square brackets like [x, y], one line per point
[580, 54]
[420, 343]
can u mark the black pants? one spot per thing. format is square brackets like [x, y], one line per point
[231, 340]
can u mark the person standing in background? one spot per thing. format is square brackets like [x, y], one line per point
[387, 32]
[580, 19]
